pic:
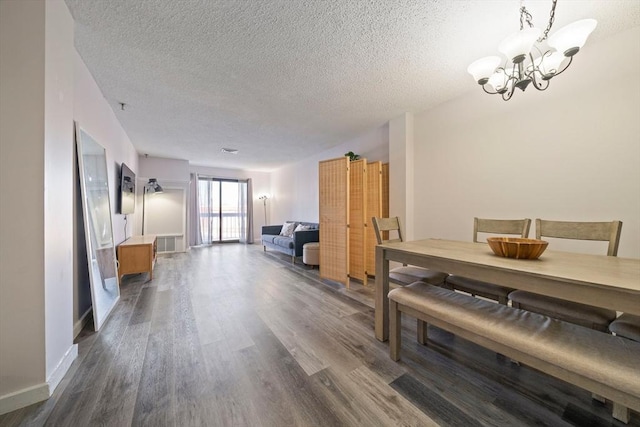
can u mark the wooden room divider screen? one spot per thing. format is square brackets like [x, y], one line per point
[334, 208]
[374, 208]
[357, 218]
[350, 194]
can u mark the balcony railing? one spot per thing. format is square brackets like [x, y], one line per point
[210, 226]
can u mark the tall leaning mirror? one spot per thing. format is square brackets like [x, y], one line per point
[96, 207]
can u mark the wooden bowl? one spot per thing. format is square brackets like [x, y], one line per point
[516, 247]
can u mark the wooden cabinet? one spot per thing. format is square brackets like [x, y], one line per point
[137, 255]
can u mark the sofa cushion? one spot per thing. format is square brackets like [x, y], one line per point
[303, 227]
[268, 238]
[287, 229]
[311, 225]
[285, 242]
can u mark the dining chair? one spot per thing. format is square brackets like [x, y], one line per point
[568, 311]
[519, 227]
[572, 312]
[627, 326]
[406, 274]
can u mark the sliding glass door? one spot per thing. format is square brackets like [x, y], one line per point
[221, 209]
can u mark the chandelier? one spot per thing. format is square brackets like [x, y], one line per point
[526, 63]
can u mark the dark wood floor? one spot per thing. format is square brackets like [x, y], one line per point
[229, 335]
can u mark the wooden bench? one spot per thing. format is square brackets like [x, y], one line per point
[596, 361]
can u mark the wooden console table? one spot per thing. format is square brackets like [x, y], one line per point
[137, 254]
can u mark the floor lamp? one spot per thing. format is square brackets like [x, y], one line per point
[264, 199]
[150, 187]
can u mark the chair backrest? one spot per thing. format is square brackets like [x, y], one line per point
[382, 225]
[518, 227]
[599, 231]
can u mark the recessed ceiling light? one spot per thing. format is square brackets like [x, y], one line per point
[229, 150]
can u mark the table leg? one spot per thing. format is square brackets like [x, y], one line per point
[381, 297]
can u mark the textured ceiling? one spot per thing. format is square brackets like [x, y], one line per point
[282, 79]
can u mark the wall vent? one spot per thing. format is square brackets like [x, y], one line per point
[169, 243]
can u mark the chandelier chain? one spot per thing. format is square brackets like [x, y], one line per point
[552, 17]
[526, 16]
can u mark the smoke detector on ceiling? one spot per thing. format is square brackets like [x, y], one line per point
[229, 151]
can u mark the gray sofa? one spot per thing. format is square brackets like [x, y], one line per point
[289, 245]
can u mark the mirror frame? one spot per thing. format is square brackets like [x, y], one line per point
[106, 262]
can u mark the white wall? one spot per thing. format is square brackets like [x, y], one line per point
[171, 174]
[94, 114]
[22, 56]
[58, 190]
[169, 214]
[36, 181]
[401, 176]
[162, 169]
[294, 188]
[569, 153]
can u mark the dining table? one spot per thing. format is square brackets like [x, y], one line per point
[598, 280]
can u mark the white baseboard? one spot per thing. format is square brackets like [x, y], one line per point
[38, 393]
[77, 327]
[25, 397]
[62, 368]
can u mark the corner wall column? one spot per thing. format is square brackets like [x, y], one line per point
[36, 200]
[401, 152]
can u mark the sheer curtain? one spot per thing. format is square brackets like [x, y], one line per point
[194, 212]
[245, 210]
[208, 210]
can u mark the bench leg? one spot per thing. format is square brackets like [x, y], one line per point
[515, 305]
[422, 332]
[502, 300]
[264, 248]
[395, 326]
[621, 413]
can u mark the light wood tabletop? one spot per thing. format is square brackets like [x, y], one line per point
[139, 240]
[599, 280]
